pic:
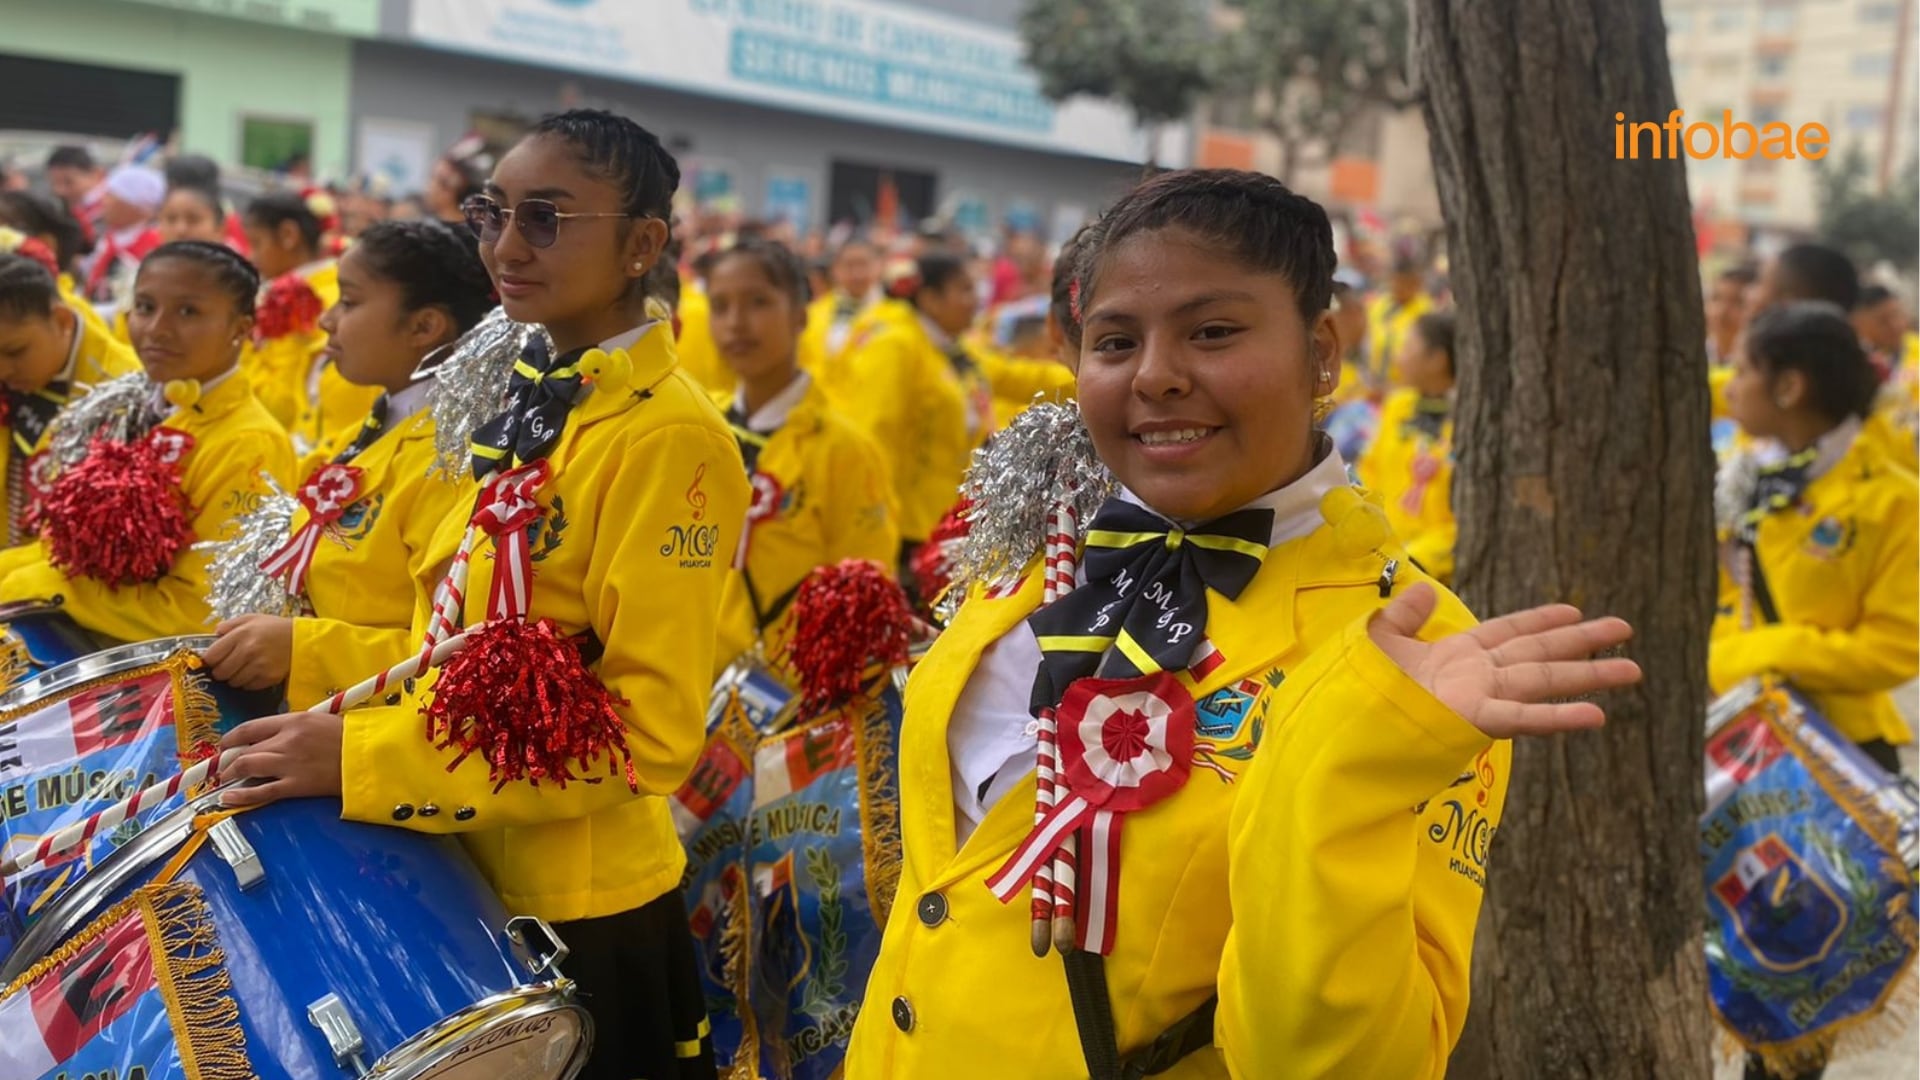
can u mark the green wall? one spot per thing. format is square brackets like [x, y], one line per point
[228, 68]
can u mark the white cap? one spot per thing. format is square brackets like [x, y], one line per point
[138, 186]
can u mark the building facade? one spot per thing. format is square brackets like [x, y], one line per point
[1847, 65]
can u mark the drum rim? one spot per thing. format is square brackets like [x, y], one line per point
[435, 1045]
[100, 664]
[68, 914]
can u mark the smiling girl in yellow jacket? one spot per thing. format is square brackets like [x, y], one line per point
[1411, 460]
[192, 307]
[1271, 888]
[1818, 545]
[49, 354]
[408, 290]
[908, 383]
[623, 549]
[819, 487]
[287, 362]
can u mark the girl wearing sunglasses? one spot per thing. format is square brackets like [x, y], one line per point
[408, 290]
[617, 494]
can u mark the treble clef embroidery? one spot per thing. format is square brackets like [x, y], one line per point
[695, 497]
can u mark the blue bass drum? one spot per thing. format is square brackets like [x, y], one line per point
[36, 635]
[353, 950]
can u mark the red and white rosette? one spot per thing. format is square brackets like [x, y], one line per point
[765, 506]
[170, 445]
[1125, 744]
[326, 495]
[505, 510]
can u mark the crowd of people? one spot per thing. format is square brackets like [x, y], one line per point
[711, 412]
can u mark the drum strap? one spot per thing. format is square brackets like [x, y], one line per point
[1099, 1041]
[202, 825]
[1757, 586]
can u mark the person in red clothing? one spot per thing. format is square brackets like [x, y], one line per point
[133, 195]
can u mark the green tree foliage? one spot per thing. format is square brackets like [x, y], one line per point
[1151, 55]
[1869, 226]
[1312, 68]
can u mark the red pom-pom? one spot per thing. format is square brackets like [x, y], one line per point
[119, 516]
[290, 306]
[932, 564]
[519, 695]
[846, 619]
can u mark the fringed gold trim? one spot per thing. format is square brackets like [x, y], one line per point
[879, 815]
[1780, 715]
[72, 946]
[191, 969]
[735, 958]
[15, 659]
[196, 714]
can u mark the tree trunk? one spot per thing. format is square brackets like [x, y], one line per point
[1583, 474]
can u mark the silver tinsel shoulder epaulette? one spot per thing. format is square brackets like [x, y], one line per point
[122, 409]
[470, 386]
[1042, 459]
[237, 586]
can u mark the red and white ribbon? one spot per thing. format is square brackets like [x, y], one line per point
[171, 443]
[765, 506]
[326, 495]
[1125, 744]
[505, 510]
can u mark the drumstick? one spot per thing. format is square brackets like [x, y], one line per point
[210, 768]
[1062, 558]
[1056, 581]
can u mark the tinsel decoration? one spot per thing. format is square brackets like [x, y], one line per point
[1043, 457]
[846, 619]
[119, 410]
[932, 563]
[520, 695]
[238, 585]
[1733, 487]
[470, 385]
[289, 307]
[118, 516]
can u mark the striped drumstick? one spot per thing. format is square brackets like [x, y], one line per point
[1062, 564]
[1056, 581]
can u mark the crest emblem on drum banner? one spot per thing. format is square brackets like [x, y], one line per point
[1788, 915]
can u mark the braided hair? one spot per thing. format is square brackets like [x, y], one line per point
[1248, 215]
[276, 208]
[624, 153]
[234, 273]
[433, 265]
[27, 288]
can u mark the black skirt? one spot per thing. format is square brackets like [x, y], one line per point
[639, 978]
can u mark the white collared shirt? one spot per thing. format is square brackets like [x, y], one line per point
[627, 339]
[768, 418]
[403, 405]
[990, 743]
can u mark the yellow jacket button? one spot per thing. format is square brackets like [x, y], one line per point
[932, 909]
[429, 809]
[403, 812]
[465, 813]
[902, 1014]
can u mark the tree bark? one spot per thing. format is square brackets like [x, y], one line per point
[1583, 474]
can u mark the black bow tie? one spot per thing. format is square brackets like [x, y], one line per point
[1778, 487]
[542, 390]
[29, 414]
[1144, 606]
[751, 441]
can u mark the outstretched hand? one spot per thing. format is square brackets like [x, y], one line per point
[1507, 676]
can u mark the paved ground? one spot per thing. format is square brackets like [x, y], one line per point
[1899, 1059]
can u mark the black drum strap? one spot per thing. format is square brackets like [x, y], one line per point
[1099, 1039]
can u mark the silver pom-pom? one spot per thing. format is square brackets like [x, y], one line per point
[1042, 459]
[238, 585]
[470, 385]
[121, 409]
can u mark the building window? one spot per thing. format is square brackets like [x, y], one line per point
[1880, 11]
[1776, 20]
[1872, 65]
[1865, 117]
[1728, 18]
[1721, 67]
[1771, 67]
[274, 144]
[1766, 114]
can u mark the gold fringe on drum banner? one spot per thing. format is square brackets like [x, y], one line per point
[196, 715]
[736, 937]
[192, 971]
[1892, 1015]
[15, 660]
[879, 801]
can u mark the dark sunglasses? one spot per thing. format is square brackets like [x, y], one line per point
[538, 220]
